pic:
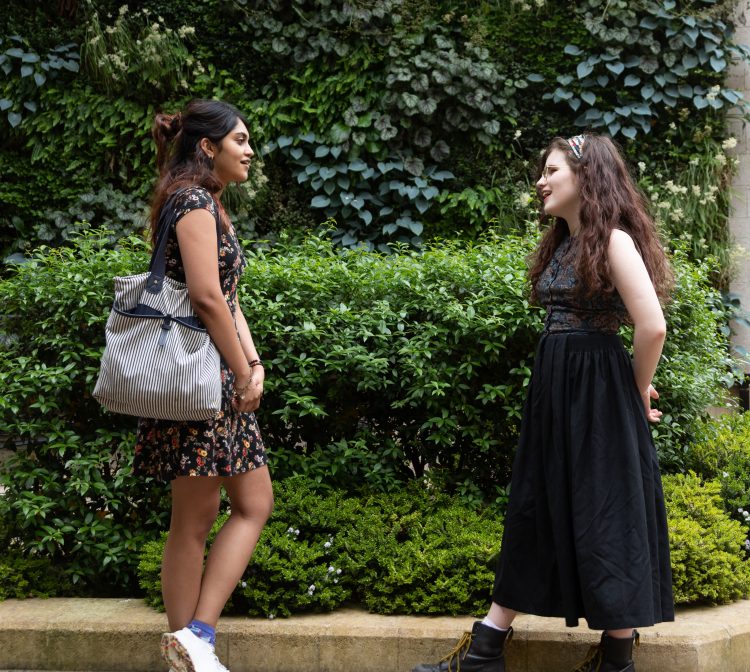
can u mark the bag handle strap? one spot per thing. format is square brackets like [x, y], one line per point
[158, 264]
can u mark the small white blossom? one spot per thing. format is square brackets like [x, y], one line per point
[725, 474]
[729, 143]
[517, 134]
[641, 166]
[524, 200]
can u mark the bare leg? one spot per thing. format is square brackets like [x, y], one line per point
[501, 616]
[195, 505]
[625, 633]
[251, 499]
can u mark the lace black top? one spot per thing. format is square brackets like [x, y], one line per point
[567, 308]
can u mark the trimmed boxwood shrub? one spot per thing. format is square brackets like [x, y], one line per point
[420, 553]
[721, 451]
[413, 553]
[707, 546]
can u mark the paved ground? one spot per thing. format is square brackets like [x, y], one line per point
[99, 635]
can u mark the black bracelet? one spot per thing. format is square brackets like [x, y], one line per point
[254, 362]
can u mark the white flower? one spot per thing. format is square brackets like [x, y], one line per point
[338, 571]
[729, 143]
[641, 166]
[311, 589]
[271, 616]
[696, 190]
[725, 474]
[524, 199]
[327, 544]
[243, 584]
[331, 570]
[517, 134]
[694, 161]
[123, 10]
[672, 125]
[721, 159]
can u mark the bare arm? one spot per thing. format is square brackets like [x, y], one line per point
[634, 285]
[248, 347]
[196, 235]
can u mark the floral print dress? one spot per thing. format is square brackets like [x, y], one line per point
[230, 443]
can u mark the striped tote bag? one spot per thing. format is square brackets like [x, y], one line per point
[159, 361]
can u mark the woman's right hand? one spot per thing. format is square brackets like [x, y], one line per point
[652, 414]
[248, 393]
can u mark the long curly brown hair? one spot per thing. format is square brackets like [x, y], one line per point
[609, 199]
[179, 158]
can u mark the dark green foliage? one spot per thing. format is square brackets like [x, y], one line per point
[69, 491]
[707, 546]
[22, 577]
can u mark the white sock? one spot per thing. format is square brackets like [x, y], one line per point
[492, 625]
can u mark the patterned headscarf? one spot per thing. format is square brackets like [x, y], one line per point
[576, 144]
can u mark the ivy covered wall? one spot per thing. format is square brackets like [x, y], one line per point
[393, 121]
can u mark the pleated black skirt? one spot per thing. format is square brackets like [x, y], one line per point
[586, 531]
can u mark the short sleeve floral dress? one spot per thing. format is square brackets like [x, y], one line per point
[230, 443]
[586, 530]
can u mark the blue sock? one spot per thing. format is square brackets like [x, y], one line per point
[203, 630]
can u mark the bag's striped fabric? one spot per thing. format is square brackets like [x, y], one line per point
[159, 361]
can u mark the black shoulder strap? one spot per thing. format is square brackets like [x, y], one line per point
[158, 265]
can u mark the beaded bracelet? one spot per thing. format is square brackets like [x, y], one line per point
[254, 362]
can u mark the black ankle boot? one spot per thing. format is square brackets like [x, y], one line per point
[480, 650]
[611, 655]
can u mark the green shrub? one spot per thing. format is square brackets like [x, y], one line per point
[406, 553]
[69, 489]
[423, 555]
[721, 451]
[380, 369]
[22, 577]
[707, 546]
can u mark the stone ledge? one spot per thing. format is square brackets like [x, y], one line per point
[98, 635]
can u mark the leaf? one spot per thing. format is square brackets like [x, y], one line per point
[440, 151]
[588, 97]
[632, 80]
[321, 151]
[14, 119]
[27, 70]
[565, 79]
[689, 61]
[327, 173]
[357, 165]
[602, 80]
[5, 104]
[358, 203]
[30, 57]
[572, 50]
[320, 202]
[366, 216]
[39, 78]
[718, 64]
[15, 52]
[629, 132]
[296, 153]
[584, 69]
[413, 165]
[534, 77]
[284, 141]
[30, 105]
[685, 90]
[430, 192]
[615, 68]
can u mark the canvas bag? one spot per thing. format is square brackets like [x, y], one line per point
[159, 361]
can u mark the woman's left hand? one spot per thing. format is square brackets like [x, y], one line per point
[652, 414]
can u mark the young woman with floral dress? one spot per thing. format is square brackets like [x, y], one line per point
[199, 152]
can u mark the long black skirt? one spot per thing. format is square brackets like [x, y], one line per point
[586, 531]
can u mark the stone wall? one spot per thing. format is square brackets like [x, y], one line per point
[739, 78]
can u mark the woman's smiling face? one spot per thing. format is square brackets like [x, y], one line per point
[232, 160]
[558, 187]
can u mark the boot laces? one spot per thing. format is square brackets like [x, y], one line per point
[463, 644]
[594, 658]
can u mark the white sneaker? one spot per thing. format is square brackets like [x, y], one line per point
[186, 652]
